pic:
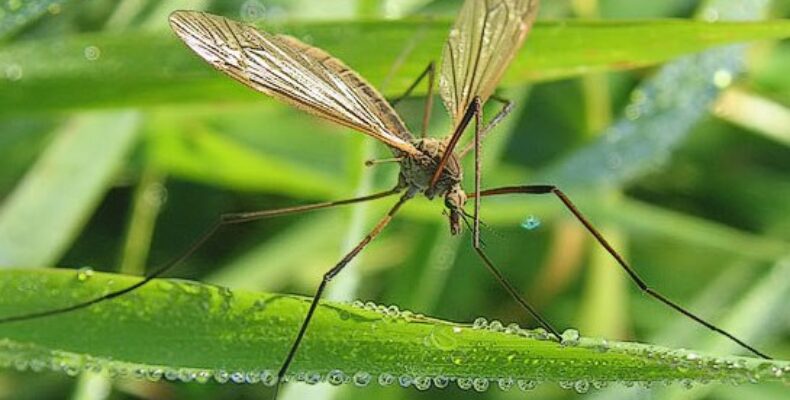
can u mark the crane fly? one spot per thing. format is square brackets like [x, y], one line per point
[484, 39]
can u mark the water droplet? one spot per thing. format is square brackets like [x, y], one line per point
[221, 376]
[722, 78]
[185, 375]
[335, 377]
[505, 383]
[442, 337]
[480, 384]
[496, 326]
[530, 223]
[361, 378]
[525, 384]
[600, 384]
[268, 378]
[513, 329]
[203, 376]
[710, 15]
[480, 323]
[84, 273]
[252, 10]
[422, 383]
[92, 53]
[171, 375]
[570, 338]
[540, 334]
[393, 311]
[357, 304]
[13, 72]
[441, 381]
[386, 379]
[581, 386]
[464, 383]
[312, 378]
[237, 377]
[405, 380]
[154, 375]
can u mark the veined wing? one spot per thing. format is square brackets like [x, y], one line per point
[485, 38]
[289, 70]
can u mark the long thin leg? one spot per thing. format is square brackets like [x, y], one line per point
[507, 107]
[465, 120]
[328, 277]
[225, 219]
[551, 189]
[430, 72]
[476, 227]
[459, 130]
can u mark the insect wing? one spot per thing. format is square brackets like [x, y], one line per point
[485, 38]
[296, 73]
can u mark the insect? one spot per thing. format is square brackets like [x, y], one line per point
[486, 36]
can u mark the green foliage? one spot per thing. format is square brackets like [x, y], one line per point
[212, 333]
[697, 202]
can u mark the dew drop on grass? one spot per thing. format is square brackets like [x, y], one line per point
[361, 378]
[268, 378]
[570, 338]
[422, 382]
[480, 384]
[237, 377]
[442, 337]
[185, 375]
[386, 379]
[464, 383]
[13, 72]
[312, 378]
[252, 10]
[505, 383]
[405, 380]
[441, 381]
[91, 53]
[581, 386]
[84, 273]
[531, 223]
[480, 323]
[203, 376]
[221, 376]
[154, 375]
[336, 377]
[526, 384]
[496, 326]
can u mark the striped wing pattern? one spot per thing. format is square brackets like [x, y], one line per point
[485, 38]
[294, 72]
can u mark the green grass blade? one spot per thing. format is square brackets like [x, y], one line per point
[156, 68]
[188, 331]
[46, 211]
[16, 14]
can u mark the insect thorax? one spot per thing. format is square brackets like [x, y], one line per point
[416, 172]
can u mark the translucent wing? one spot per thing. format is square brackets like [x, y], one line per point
[293, 72]
[483, 41]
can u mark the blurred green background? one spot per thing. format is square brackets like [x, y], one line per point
[685, 166]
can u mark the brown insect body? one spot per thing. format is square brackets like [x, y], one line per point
[418, 170]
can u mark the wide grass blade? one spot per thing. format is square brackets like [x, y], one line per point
[187, 331]
[157, 69]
